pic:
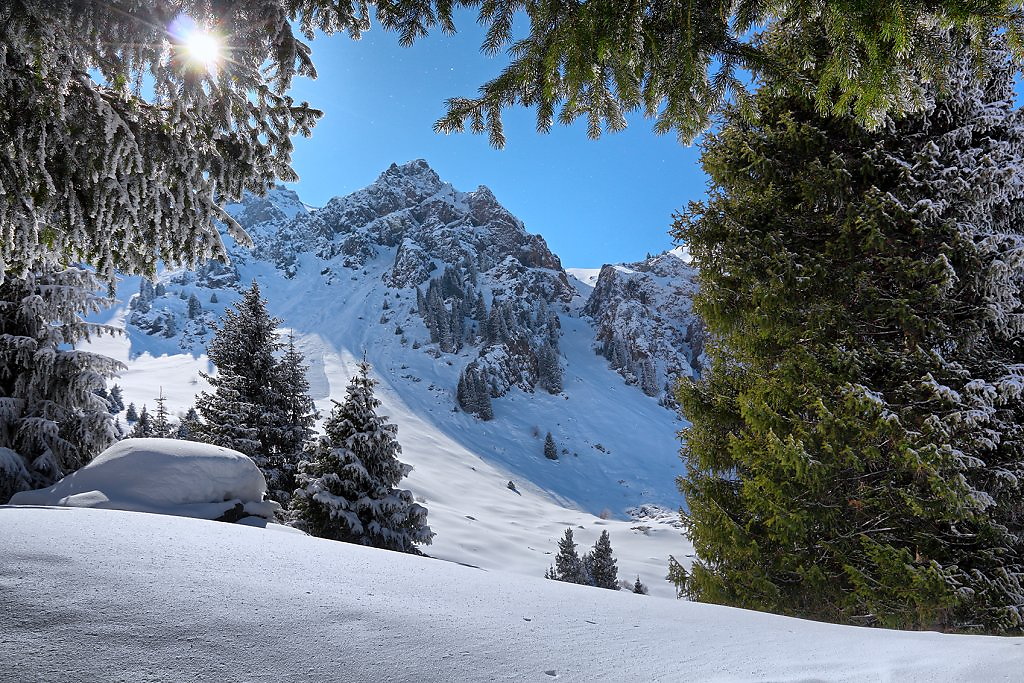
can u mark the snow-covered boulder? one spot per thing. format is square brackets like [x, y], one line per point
[163, 476]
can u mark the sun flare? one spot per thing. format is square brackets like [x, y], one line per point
[203, 49]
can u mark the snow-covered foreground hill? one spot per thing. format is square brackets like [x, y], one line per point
[101, 595]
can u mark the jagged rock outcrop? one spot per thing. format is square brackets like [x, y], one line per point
[644, 320]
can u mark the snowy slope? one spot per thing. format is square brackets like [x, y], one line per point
[343, 279]
[210, 601]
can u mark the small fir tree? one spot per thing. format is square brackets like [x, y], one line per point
[568, 565]
[144, 427]
[600, 564]
[131, 415]
[550, 449]
[347, 486]
[639, 588]
[116, 400]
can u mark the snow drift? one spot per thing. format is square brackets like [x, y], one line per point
[104, 595]
[164, 476]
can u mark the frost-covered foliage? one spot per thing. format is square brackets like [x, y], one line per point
[600, 563]
[568, 565]
[857, 448]
[52, 421]
[259, 405]
[596, 568]
[123, 146]
[347, 486]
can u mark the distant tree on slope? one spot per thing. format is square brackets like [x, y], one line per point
[347, 486]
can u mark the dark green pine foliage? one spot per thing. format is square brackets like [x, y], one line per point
[300, 416]
[347, 486]
[247, 410]
[144, 427]
[550, 449]
[568, 565]
[600, 564]
[855, 449]
[188, 426]
[131, 415]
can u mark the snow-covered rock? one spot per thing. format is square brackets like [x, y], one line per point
[646, 326]
[163, 476]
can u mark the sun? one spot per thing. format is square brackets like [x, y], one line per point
[202, 49]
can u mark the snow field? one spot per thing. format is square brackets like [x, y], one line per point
[205, 601]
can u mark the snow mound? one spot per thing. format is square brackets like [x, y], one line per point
[163, 476]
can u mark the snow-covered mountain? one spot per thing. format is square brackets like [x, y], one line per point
[464, 316]
[646, 326]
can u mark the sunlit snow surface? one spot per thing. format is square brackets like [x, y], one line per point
[98, 595]
[621, 449]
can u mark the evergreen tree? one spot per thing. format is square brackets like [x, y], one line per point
[131, 416]
[639, 588]
[855, 453]
[568, 565]
[195, 309]
[549, 369]
[347, 486]
[300, 413]
[248, 410]
[188, 426]
[600, 564]
[161, 425]
[52, 421]
[116, 400]
[144, 428]
[213, 298]
[550, 449]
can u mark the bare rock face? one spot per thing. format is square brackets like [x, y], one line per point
[644, 320]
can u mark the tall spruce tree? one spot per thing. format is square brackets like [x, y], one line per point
[600, 564]
[300, 415]
[52, 421]
[856, 445]
[347, 487]
[247, 410]
[568, 565]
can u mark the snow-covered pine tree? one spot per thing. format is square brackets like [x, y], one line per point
[195, 309]
[116, 400]
[144, 428]
[135, 174]
[51, 420]
[600, 565]
[855, 453]
[161, 424]
[131, 415]
[247, 410]
[347, 486]
[550, 449]
[639, 588]
[568, 565]
[188, 426]
[549, 369]
[301, 414]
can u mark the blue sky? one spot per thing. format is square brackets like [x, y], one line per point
[595, 202]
